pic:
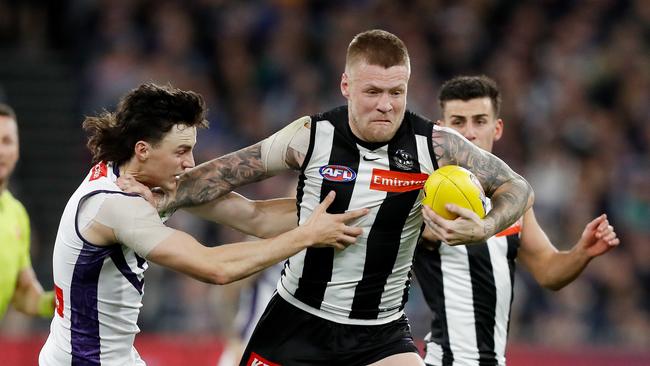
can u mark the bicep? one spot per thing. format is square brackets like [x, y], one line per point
[450, 148]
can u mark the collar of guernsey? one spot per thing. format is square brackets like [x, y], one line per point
[14, 246]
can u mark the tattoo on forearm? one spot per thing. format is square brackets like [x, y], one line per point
[513, 194]
[217, 177]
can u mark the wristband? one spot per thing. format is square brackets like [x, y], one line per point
[46, 304]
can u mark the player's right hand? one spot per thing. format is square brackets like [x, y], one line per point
[331, 230]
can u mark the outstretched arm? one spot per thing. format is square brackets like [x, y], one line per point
[133, 222]
[282, 151]
[555, 269]
[510, 194]
[260, 218]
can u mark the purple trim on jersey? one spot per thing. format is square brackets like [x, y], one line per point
[120, 262]
[84, 318]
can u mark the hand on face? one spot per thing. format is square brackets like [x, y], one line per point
[154, 196]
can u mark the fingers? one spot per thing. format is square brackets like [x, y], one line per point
[429, 235]
[354, 214]
[596, 222]
[326, 203]
[461, 211]
[352, 230]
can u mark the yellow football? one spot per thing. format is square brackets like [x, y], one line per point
[457, 185]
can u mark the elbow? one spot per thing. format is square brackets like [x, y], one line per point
[220, 277]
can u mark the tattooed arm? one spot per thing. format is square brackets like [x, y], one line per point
[510, 194]
[204, 183]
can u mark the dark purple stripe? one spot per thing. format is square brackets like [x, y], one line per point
[120, 262]
[84, 327]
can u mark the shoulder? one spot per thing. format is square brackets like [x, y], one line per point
[333, 115]
[13, 204]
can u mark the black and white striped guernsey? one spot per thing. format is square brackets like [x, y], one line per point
[368, 282]
[469, 290]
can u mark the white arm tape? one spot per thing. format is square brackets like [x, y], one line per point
[135, 222]
[274, 147]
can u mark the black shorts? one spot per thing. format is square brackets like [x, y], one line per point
[286, 335]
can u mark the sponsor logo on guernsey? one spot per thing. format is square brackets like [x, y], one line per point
[58, 300]
[98, 171]
[257, 360]
[391, 181]
[403, 160]
[337, 173]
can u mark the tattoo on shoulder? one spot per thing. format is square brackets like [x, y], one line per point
[219, 176]
[450, 148]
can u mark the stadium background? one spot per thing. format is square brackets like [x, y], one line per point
[575, 78]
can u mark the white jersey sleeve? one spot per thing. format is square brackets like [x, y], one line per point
[135, 222]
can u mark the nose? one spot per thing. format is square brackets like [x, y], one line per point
[384, 105]
[469, 132]
[189, 161]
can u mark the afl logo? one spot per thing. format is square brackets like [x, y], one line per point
[337, 173]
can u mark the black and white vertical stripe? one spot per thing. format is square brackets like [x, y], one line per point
[469, 289]
[367, 282]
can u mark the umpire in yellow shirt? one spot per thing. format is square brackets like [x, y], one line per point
[18, 283]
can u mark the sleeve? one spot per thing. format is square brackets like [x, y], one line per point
[274, 148]
[134, 222]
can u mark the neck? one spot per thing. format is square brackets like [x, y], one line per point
[133, 169]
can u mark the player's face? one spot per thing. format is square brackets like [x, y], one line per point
[475, 119]
[8, 147]
[376, 99]
[170, 157]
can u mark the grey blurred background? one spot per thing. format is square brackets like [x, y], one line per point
[575, 79]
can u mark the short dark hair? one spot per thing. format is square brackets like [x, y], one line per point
[470, 87]
[7, 111]
[146, 113]
[377, 47]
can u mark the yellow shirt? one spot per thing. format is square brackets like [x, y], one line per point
[14, 246]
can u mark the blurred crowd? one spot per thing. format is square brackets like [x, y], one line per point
[575, 79]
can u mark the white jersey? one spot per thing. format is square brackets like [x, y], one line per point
[469, 290]
[368, 282]
[98, 288]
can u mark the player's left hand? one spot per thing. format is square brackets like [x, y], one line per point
[598, 237]
[467, 228]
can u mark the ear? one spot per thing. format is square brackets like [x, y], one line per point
[438, 122]
[142, 150]
[345, 85]
[498, 129]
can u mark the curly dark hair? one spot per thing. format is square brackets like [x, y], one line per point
[146, 113]
[470, 87]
